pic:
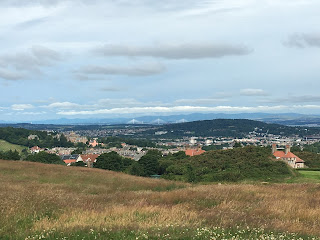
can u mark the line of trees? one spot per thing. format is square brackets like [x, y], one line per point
[10, 155]
[246, 163]
[148, 164]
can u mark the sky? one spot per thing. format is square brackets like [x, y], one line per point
[127, 58]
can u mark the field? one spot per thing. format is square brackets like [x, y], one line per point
[39, 201]
[5, 146]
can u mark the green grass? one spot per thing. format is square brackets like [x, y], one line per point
[315, 175]
[5, 146]
[305, 176]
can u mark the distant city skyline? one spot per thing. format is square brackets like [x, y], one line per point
[102, 59]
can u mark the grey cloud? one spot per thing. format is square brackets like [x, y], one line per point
[294, 99]
[303, 40]
[165, 5]
[19, 3]
[201, 101]
[16, 66]
[177, 51]
[10, 75]
[35, 57]
[31, 23]
[110, 89]
[85, 77]
[45, 54]
[143, 70]
[253, 92]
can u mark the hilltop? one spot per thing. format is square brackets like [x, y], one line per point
[57, 202]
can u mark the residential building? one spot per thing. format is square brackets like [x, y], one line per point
[291, 159]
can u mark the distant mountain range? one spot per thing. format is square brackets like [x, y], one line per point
[283, 118]
[291, 119]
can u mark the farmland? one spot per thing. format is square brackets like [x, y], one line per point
[40, 201]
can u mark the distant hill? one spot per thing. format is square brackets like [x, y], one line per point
[214, 128]
[233, 128]
[281, 118]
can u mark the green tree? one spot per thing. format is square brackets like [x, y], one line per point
[135, 169]
[127, 162]
[150, 162]
[44, 157]
[191, 176]
[109, 161]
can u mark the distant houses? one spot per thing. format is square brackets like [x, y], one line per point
[291, 159]
[69, 159]
[36, 149]
[88, 159]
[93, 143]
[33, 137]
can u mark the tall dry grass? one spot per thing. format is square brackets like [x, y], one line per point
[36, 197]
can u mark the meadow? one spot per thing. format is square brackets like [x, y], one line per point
[5, 146]
[39, 201]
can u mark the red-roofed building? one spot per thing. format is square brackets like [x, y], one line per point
[288, 157]
[89, 159]
[194, 152]
[93, 143]
[35, 149]
[68, 159]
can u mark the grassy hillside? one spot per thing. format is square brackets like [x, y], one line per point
[5, 146]
[39, 201]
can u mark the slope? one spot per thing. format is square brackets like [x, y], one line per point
[39, 201]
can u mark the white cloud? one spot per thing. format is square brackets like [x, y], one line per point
[62, 105]
[174, 109]
[31, 113]
[21, 107]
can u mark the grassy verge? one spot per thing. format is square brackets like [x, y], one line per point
[39, 201]
[306, 176]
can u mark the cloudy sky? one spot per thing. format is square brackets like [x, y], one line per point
[111, 58]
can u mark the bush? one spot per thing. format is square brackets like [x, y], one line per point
[44, 157]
